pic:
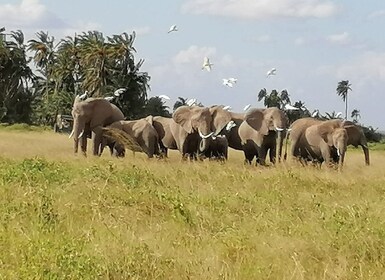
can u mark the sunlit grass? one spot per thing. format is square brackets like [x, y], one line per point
[70, 217]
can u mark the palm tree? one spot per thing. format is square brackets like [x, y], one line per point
[355, 115]
[155, 106]
[343, 88]
[180, 102]
[274, 99]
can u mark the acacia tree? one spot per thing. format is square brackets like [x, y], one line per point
[343, 88]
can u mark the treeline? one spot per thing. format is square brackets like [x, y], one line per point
[89, 62]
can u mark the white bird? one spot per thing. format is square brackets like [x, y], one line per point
[172, 29]
[83, 96]
[271, 72]
[163, 96]
[119, 91]
[226, 82]
[191, 102]
[339, 115]
[315, 113]
[290, 107]
[206, 64]
[227, 108]
[109, 98]
[233, 80]
[247, 107]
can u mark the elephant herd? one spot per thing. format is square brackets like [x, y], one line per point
[207, 132]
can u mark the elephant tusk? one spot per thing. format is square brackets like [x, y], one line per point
[81, 134]
[214, 137]
[230, 125]
[71, 134]
[205, 136]
[279, 129]
[338, 152]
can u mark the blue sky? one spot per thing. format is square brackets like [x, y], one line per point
[313, 44]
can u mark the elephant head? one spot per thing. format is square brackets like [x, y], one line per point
[220, 119]
[195, 119]
[93, 113]
[356, 137]
[339, 139]
[265, 121]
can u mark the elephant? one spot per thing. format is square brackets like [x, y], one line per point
[166, 139]
[141, 131]
[323, 141]
[355, 135]
[218, 148]
[263, 130]
[194, 127]
[91, 115]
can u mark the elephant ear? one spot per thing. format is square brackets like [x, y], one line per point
[255, 118]
[220, 117]
[325, 130]
[182, 116]
[150, 119]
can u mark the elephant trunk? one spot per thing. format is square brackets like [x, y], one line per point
[280, 139]
[205, 140]
[77, 132]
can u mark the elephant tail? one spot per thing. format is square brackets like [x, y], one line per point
[122, 137]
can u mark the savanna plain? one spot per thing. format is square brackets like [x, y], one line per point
[70, 217]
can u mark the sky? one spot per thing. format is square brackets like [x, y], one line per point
[313, 44]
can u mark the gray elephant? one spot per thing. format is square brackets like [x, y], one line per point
[355, 135]
[91, 115]
[323, 141]
[166, 139]
[141, 131]
[194, 127]
[218, 148]
[262, 131]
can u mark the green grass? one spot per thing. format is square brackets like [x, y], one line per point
[69, 217]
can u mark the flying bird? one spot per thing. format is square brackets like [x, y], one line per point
[271, 72]
[290, 107]
[247, 107]
[119, 91]
[163, 96]
[226, 82]
[206, 64]
[227, 108]
[191, 102]
[172, 29]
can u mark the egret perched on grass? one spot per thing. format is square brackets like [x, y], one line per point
[227, 108]
[315, 113]
[83, 96]
[339, 115]
[271, 72]
[109, 98]
[173, 28]
[247, 107]
[206, 64]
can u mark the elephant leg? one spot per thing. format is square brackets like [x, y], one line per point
[97, 140]
[262, 156]
[272, 154]
[248, 156]
[325, 152]
[83, 144]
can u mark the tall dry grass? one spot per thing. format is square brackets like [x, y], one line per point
[70, 217]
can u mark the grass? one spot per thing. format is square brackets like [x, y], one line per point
[70, 217]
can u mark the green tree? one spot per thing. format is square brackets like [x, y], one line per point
[274, 99]
[355, 115]
[343, 89]
[155, 106]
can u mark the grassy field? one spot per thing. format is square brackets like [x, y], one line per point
[69, 217]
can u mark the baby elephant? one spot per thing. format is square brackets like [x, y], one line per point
[137, 135]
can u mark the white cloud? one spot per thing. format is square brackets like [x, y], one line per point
[376, 14]
[341, 39]
[262, 9]
[194, 54]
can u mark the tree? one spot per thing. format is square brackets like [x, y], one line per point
[274, 99]
[343, 88]
[155, 106]
[355, 115]
[180, 102]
